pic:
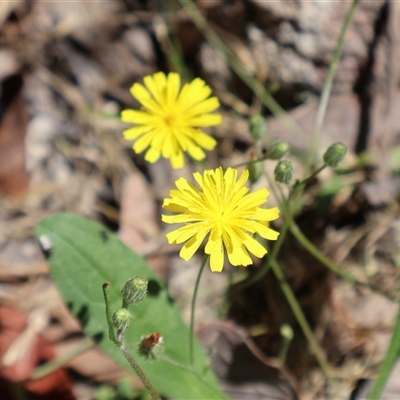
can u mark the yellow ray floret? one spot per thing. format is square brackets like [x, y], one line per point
[222, 212]
[169, 122]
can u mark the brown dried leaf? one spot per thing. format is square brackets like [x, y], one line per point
[14, 178]
[55, 385]
[138, 226]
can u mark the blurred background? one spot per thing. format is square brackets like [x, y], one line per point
[65, 72]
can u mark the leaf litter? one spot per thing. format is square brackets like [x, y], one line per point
[75, 65]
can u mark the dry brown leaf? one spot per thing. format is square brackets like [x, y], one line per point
[138, 219]
[55, 385]
[14, 178]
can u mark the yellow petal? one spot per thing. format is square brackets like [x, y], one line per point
[255, 199]
[193, 93]
[203, 107]
[191, 246]
[143, 96]
[196, 152]
[137, 117]
[205, 120]
[142, 143]
[177, 160]
[217, 258]
[179, 139]
[154, 86]
[267, 214]
[175, 234]
[203, 140]
[254, 247]
[139, 92]
[152, 155]
[133, 133]
[184, 233]
[173, 86]
[160, 80]
[239, 256]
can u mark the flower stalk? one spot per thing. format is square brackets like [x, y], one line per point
[119, 343]
[193, 309]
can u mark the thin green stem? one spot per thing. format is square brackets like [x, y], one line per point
[283, 351]
[287, 336]
[193, 310]
[256, 86]
[316, 253]
[326, 91]
[111, 333]
[254, 161]
[121, 347]
[290, 297]
[142, 376]
[387, 364]
[312, 176]
[301, 319]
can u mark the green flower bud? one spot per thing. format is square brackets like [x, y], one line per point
[258, 127]
[335, 154]
[134, 291]
[286, 332]
[151, 347]
[121, 319]
[284, 172]
[255, 168]
[278, 150]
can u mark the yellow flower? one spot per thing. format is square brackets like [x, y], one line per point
[169, 121]
[222, 209]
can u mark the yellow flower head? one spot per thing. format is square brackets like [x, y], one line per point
[169, 121]
[222, 209]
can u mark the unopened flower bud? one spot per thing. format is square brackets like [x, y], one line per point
[278, 150]
[335, 154]
[286, 332]
[121, 319]
[258, 127]
[284, 172]
[255, 168]
[151, 347]
[134, 291]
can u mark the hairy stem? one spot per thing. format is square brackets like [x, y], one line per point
[121, 347]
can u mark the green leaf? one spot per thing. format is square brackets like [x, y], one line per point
[83, 256]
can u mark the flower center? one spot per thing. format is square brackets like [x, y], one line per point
[170, 120]
[220, 215]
